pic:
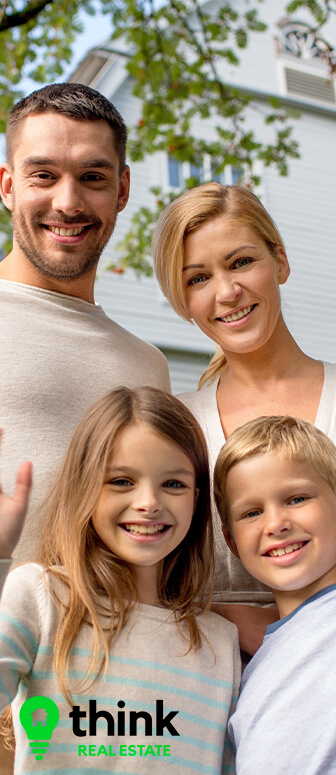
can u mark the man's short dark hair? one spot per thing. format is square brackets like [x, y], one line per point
[73, 100]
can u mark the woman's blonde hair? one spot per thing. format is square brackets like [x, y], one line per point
[186, 214]
[291, 438]
[101, 586]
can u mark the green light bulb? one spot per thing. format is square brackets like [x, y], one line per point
[39, 731]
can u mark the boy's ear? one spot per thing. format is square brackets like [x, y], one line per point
[230, 542]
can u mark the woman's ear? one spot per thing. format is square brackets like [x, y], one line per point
[283, 265]
[196, 497]
[231, 542]
[6, 182]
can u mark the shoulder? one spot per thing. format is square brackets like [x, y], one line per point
[143, 357]
[218, 629]
[200, 402]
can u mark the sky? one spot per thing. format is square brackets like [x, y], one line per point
[96, 29]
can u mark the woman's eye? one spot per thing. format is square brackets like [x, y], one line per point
[196, 280]
[241, 262]
[174, 484]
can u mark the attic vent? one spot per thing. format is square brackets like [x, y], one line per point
[311, 86]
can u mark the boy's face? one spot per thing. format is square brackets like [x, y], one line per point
[283, 526]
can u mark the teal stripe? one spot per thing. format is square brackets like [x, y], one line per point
[192, 674]
[22, 629]
[151, 685]
[13, 645]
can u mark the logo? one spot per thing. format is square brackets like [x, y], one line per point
[39, 716]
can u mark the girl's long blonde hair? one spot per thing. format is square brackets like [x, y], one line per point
[101, 587]
[188, 213]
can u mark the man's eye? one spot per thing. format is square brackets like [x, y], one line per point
[93, 177]
[43, 176]
[173, 484]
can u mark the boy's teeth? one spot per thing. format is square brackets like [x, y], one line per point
[145, 529]
[63, 232]
[285, 549]
[237, 315]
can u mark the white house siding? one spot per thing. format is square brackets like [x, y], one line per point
[303, 205]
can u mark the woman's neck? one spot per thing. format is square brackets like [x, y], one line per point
[279, 358]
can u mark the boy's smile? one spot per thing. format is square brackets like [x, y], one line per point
[283, 526]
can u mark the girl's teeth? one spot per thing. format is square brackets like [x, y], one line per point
[237, 315]
[285, 549]
[144, 529]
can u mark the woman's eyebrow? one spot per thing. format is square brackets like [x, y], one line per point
[226, 258]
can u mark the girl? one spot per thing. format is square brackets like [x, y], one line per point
[107, 626]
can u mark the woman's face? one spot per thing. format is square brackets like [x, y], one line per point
[231, 284]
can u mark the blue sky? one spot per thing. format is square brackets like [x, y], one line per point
[96, 29]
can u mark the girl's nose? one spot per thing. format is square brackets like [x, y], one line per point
[147, 502]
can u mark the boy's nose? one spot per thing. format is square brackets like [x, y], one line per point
[277, 521]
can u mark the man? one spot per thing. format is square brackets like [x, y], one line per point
[65, 180]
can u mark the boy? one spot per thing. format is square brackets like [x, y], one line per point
[275, 488]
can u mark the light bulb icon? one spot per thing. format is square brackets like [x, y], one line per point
[39, 731]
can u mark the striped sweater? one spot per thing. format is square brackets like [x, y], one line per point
[158, 709]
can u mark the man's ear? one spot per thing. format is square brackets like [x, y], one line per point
[6, 185]
[124, 189]
[231, 542]
[283, 265]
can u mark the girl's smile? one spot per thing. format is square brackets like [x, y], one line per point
[147, 501]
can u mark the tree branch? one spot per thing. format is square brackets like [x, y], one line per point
[19, 18]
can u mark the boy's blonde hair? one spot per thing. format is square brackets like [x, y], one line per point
[102, 587]
[290, 438]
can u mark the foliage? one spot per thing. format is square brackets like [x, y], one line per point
[180, 55]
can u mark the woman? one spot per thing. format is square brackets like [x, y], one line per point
[220, 260]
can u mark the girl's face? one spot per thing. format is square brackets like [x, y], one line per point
[146, 503]
[231, 284]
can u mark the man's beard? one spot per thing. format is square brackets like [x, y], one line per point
[69, 268]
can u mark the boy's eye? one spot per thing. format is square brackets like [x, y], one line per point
[297, 499]
[173, 484]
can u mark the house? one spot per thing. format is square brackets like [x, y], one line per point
[288, 62]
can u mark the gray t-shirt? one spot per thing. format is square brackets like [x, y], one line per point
[58, 355]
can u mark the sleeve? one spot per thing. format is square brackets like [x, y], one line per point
[229, 752]
[20, 627]
[4, 570]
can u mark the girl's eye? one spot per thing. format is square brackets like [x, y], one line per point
[174, 484]
[241, 262]
[252, 513]
[297, 499]
[122, 481]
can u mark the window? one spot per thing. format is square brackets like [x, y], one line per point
[179, 172]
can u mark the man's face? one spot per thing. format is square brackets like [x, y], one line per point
[64, 190]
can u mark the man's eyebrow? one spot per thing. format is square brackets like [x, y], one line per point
[45, 161]
[226, 258]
